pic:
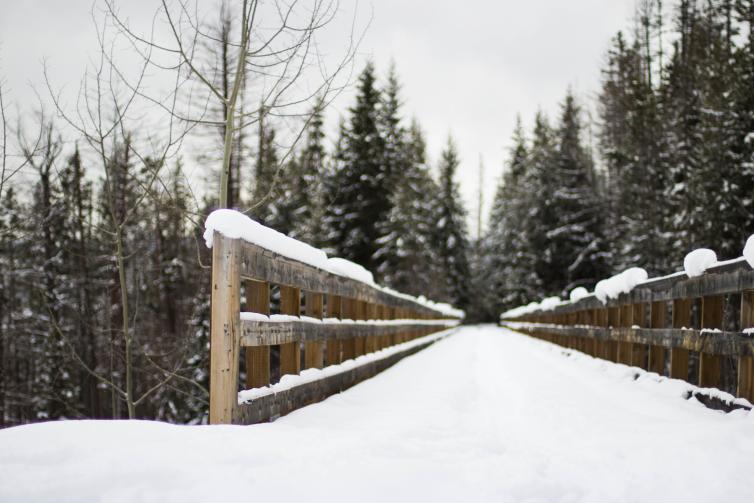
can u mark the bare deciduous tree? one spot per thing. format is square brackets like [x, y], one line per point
[272, 49]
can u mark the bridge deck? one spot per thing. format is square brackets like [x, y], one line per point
[484, 415]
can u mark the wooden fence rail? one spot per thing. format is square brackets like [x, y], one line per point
[344, 318]
[693, 329]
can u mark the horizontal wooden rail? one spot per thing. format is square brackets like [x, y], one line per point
[687, 328]
[264, 333]
[345, 318]
[720, 343]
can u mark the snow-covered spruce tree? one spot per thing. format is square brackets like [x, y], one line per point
[408, 261]
[451, 234]
[630, 141]
[54, 382]
[511, 261]
[358, 189]
[573, 252]
[541, 183]
[300, 205]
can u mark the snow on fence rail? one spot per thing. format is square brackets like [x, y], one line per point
[362, 317]
[693, 325]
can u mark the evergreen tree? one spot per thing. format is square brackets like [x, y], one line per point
[451, 235]
[631, 144]
[267, 185]
[359, 191]
[511, 262]
[408, 261]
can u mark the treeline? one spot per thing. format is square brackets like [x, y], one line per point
[675, 137]
[104, 278]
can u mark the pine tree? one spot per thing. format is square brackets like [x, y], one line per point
[451, 235]
[631, 144]
[267, 184]
[359, 190]
[511, 261]
[408, 261]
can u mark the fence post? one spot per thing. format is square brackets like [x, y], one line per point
[679, 357]
[224, 330]
[745, 388]
[313, 355]
[290, 352]
[657, 353]
[258, 357]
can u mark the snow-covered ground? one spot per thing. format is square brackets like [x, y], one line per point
[483, 415]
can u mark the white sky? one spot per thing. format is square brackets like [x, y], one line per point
[467, 68]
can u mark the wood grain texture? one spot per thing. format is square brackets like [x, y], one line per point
[224, 330]
[257, 358]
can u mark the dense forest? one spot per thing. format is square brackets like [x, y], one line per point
[104, 279]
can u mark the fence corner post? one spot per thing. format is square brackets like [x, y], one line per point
[224, 329]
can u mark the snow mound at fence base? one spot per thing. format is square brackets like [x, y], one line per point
[525, 421]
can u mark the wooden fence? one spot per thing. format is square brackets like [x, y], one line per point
[244, 270]
[687, 328]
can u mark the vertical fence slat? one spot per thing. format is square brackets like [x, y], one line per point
[657, 353]
[348, 313]
[679, 357]
[290, 353]
[257, 357]
[333, 345]
[710, 365]
[639, 351]
[313, 355]
[745, 387]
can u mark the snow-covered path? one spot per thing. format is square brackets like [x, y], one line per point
[484, 415]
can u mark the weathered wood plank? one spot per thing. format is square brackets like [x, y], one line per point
[290, 352]
[679, 355]
[710, 364]
[745, 385]
[657, 313]
[257, 358]
[313, 351]
[722, 343]
[264, 333]
[333, 346]
[224, 330]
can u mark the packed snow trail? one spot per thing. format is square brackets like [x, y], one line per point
[483, 415]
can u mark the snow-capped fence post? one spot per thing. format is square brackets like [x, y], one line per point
[679, 357]
[710, 364]
[224, 329]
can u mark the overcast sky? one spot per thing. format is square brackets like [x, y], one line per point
[467, 68]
